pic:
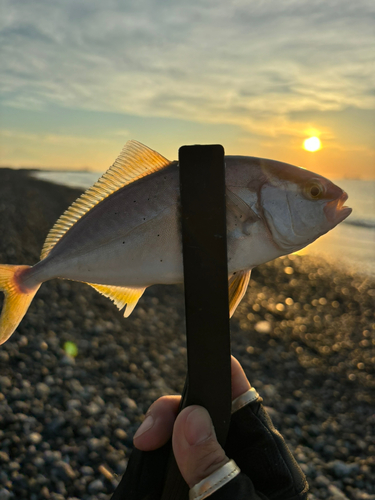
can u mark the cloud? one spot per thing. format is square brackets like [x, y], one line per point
[246, 63]
[54, 139]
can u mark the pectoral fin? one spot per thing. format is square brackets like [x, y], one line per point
[121, 296]
[239, 208]
[237, 288]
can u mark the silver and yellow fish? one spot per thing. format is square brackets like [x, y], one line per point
[123, 234]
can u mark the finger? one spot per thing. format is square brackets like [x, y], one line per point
[157, 426]
[240, 384]
[195, 446]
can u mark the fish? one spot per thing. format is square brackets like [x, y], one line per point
[123, 234]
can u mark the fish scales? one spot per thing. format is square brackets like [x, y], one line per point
[111, 243]
[129, 238]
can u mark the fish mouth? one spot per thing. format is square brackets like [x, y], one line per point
[336, 211]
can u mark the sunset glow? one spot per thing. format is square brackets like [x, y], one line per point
[94, 76]
[312, 144]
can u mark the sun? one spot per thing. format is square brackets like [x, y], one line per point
[312, 144]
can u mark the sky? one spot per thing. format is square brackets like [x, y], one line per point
[78, 78]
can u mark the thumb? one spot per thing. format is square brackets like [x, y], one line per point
[195, 447]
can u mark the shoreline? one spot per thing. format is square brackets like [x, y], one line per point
[305, 335]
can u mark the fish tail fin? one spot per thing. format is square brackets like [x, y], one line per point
[16, 301]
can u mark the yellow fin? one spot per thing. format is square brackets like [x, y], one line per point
[16, 301]
[237, 288]
[135, 161]
[121, 296]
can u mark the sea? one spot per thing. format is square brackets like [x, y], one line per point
[350, 245]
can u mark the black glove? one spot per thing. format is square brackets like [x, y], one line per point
[261, 453]
[268, 469]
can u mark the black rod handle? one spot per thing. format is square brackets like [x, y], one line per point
[204, 243]
[154, 475]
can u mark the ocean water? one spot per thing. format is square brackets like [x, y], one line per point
[350, 245]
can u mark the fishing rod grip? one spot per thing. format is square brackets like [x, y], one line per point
[204, 243]
[154, 475]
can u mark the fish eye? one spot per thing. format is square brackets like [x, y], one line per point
[314, 190]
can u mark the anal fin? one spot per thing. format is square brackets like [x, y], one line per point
[237, 287]
[121, 296]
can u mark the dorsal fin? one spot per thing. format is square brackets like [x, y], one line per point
[135, 161]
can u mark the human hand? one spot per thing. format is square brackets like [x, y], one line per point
[256, 463]
[195, 447]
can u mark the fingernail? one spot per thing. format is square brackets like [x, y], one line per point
[147, 423]
[198, 426]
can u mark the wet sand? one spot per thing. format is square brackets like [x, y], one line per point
[305, 334]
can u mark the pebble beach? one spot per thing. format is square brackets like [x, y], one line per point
[304, 333]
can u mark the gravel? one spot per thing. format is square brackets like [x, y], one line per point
[305, 334]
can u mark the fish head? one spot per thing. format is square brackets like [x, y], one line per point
[298, 205]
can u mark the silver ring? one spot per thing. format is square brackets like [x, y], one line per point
[214, 481]
[243, 400]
